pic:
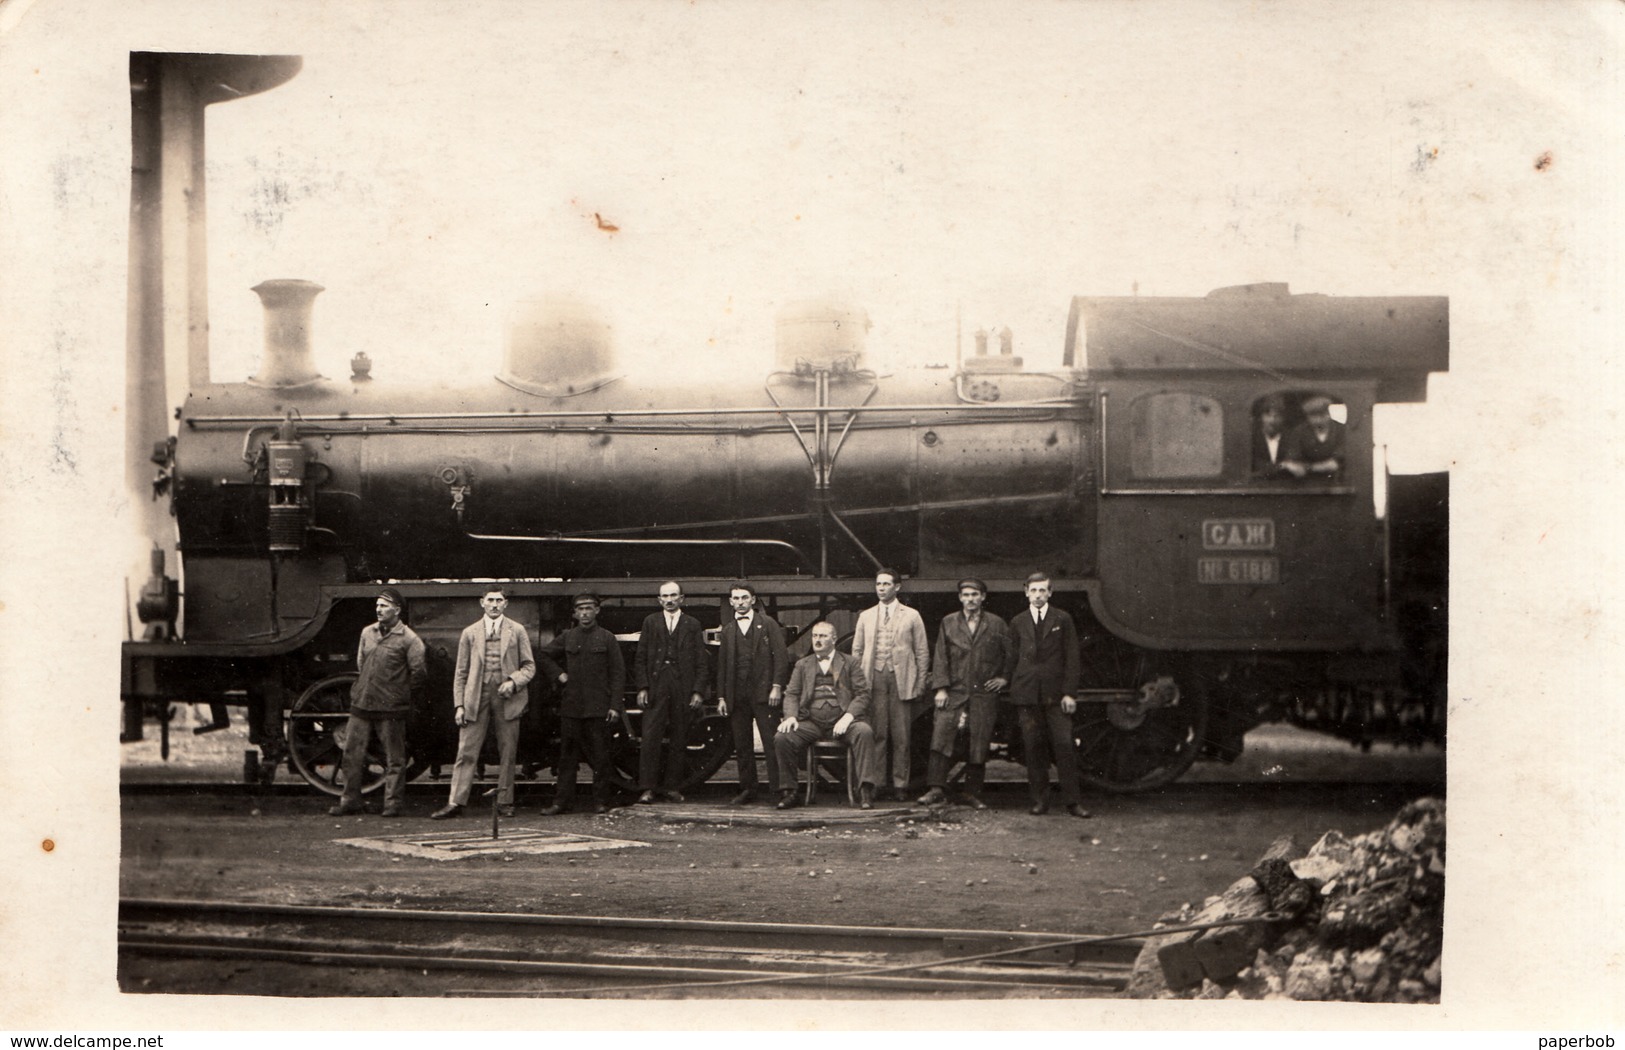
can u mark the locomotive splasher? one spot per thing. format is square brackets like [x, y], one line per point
[1211, 596]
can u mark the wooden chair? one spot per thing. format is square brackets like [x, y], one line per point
[819, 755]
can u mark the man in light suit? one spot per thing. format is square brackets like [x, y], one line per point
[1044, 689]
[494, 669]
[889, 645]
[827, 698]
[669, 671]
[752, 668]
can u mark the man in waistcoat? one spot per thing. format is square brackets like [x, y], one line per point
[392, 667]
[752, 668]
[669, 672]
[971, 666]
[491, 685]
[1044, 688]
[889, 645]
[594, 681]
[827, 698]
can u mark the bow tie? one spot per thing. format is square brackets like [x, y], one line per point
[741, 616]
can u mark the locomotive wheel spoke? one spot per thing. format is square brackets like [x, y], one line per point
[1134, 745]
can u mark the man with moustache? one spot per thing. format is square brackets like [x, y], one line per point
[969, 669]
[752, 668]
[1044, 688]
[594, 681]
[491, 686]
[827, 698]
[889, 644]
[391, 664]
[669, 671]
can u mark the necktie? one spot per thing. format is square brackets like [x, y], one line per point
[885, 616]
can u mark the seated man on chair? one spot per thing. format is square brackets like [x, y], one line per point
[827, 698]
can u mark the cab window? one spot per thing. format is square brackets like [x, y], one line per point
[1177, 435]
[1298, 435]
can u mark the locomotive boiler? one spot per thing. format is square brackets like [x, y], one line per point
[1211, 595]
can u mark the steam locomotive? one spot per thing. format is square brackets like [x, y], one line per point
[1210, 596]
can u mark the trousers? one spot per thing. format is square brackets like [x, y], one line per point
[471, 739]
[1046, 734]
[358, 734]
[667, 715]
[573, 732]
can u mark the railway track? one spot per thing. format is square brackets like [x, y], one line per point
[593, 956]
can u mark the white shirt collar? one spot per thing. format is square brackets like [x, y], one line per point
[492, 626]
[824, 661]
[744, 624]
[672, 618]
[1040, 611]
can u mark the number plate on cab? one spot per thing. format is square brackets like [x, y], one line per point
[1238, 570]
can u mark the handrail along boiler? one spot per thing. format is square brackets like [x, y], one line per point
[1210, 597]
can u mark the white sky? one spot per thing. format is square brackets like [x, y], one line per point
[436, 161]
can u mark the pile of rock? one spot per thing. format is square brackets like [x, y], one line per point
[1358, 919]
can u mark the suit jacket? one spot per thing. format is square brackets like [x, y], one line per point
[851, 690]
[518, 665]
[597, 671]
[911, 653]
[659, 648]
[964, 661]
[770, 660]
[1046, 668]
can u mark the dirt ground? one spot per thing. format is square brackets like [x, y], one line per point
[1139, 856]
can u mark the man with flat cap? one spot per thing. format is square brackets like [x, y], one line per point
[1315, 446]
[972, 664]
[392, 667]
[594, 681]
[494, 669]
[669, 672]
[1269, 437]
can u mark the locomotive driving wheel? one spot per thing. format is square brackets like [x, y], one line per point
[1135, 728]
[710, 742]
[316, 729]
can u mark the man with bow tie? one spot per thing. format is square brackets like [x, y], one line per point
[752, 668]
[669, 672]
[1044, 689]
[827, 698]
[491, 686]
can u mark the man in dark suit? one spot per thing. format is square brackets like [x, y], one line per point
[1044, 689]
[752, 668]
[669, 671]
[827, 698]
[594, 681]
[1269, 433]
[1315, 446]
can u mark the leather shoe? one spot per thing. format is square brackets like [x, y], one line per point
[600, 807]
[1040, 808]
[744, 798]
[866, 796]
[504, 811]
[974, 802]
[935, 797]
[646, 798]
[1078, 811]
[344, 809]
[554, 810]
[788, 800]
[672, 796]
[391, 811]
[452, 810]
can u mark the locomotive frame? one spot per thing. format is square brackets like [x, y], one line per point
[1209, 600]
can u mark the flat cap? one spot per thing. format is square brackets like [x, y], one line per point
[392, 596]
[1316, 403]
[584, 598]
[971, 581]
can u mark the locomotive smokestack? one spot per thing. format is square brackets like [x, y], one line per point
[288, 360]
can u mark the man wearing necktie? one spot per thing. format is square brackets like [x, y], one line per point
[669, 672]
[494, 669]
[889, 644]
[1044, 689]
[752, 668]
